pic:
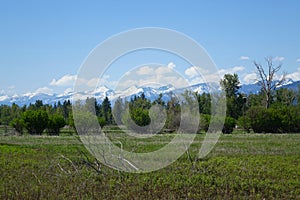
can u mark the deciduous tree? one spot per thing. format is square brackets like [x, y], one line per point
[266, 79]
[234, 100]
[35, 121]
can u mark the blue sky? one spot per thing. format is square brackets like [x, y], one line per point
[43, 43]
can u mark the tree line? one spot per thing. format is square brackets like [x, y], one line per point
[272, 110]
[246, 111]
[39, 118]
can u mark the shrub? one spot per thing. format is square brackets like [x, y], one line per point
[18, 125]
[245, 122]
[255, 114]
[277, 119]
[55, 123]
[35, 121]
[204, 122]
[102, 121]
[229, 124]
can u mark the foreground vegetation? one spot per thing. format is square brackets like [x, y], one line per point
[241, 166]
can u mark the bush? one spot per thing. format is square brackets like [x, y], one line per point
[102, 121]
[229, 124]
[278, 119]
[35, 121]
[18, 125]
[55, 123]
[205, 122]
[255, 115]
[245, 122]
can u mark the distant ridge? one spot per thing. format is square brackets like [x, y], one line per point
[150, 93]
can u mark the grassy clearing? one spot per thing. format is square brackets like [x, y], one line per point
[241, 166]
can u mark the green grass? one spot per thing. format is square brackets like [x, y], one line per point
[241, 166]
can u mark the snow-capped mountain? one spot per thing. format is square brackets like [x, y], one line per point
[254, 88]
[151, 93]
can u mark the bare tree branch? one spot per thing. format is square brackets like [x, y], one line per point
[267, 82]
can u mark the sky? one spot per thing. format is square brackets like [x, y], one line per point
[44, 43]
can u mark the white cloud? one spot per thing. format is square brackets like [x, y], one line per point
[278, 58]
[66, 80]
[250, 78]
[200, 75]
[152, 76]
[191, 72]
[145, 70]
[92, 82]
[156, 80]
[171, 65]
[44, 90]
[207, 78]
[298, 60]
[163, 70]
[164, 75]
[157, 75]
[232, 70]
[195, 71]
[168, 69]
[295, 75]
[68, 90]
[238, 68]
[244, 58]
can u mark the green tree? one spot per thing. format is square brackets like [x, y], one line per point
[255, 100]
[107, 111]
[255, 115]
[118, 110]
[67, 109]
[234, 100]
[285, 96]
[39, 104]
[138, 111]
[266, 120]
[140, 116]
[18, 125]
[244, 121]
[86, 122]
[159, 100]
[229, 124]
[101, 121]
[90, 104]
[204, 122]
[5, 115]
[35, 121]
[204, 101]
[173, 114]
[230, 84]
[55, 123]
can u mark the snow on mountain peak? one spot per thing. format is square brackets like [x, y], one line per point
[4, 98]
[103, 91]
[288, 81]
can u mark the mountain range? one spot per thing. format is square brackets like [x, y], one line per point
[150, 93]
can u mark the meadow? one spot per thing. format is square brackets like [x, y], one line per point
[241, 166]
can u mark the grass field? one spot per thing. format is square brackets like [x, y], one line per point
[241, 166]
